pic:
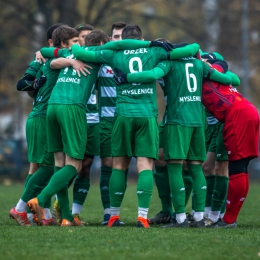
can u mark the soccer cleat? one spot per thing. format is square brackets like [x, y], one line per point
[79, 220]
[175, 224]
[142, 223]
[222, 224]
[20, 217]
[67, 223]
[160, 218]
[189, 217]
[210, 224]
[114, 222]
[50, 222]
[56, 211]
[106, 219]
[30, 218]
[36, 210]
[197, 224]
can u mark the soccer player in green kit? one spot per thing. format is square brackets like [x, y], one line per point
[66, 132]
[135, 122]
[184, 133]
[107, 105]
[36, 131]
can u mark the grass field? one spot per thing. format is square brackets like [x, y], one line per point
[97, 242]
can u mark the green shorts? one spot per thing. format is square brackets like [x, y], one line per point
[210, 137]
[37, 141]
[105, 128]
[183, 142]
[66, 130]
[133, 136]
[221, 151]
[161, 134]
[92, 147]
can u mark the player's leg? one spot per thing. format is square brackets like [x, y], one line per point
[73, 143]
[209, 165]
[221, 180]
[145, 148]
[121, 149]
[196, 155]
[162, 183]
[106, 166]
[175, 155]
[82, 181]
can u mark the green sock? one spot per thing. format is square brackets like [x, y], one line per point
[210, 180]
[162, 183]
[116, 187]
[27, 179]
[145, 188]
[105, 176]
[188, 183]
[80, 190]
[177, 187]
[37, 182]
[219, 193]
[59, 180]
[64, 203]
[199, 186]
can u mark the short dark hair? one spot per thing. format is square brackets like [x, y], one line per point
[132, 31]
[63, 34]
[162, 40]
[117, 26]
[96, 37]
[52, 28]
[84, 27]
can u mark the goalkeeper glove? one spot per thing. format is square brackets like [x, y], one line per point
[166, 45]
[119, 77]
[39, 82]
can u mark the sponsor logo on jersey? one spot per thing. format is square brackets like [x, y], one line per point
[69, 80]
[83, 190]
[242, 199]
[182, 189]
[118, 193]
[228, 202]
[204, 187]
[109, 71]
[229, 152]
[190, 98]
[138, 91]
[219, 154]
[140, 192]
[137, 51]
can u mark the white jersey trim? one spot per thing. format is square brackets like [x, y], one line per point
[108, 111]
[92, 118]
[92, 100]
[108, 91]
[106, 72]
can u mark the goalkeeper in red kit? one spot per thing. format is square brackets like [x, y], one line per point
[241, 136]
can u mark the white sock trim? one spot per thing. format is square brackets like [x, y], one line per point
[142, 212]
[76, 208]
[21, 206]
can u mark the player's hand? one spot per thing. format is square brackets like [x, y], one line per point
[81, 67]
[39, 82]
[39, 58]
[119, 76]
[166, 45]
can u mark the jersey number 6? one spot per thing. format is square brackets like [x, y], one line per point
[190, 76]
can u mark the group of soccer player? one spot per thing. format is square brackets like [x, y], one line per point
[95, 95]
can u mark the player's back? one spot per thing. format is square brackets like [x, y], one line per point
[183, 83]
[137, 99]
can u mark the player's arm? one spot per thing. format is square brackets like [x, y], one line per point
[77, 65]
[213, 74]
[177, 53]
[28, 83]
[52, 52]
[235, 78]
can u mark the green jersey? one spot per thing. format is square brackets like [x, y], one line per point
[42, 96]
[33, 68]
[134, 100]
[92, 109]
[71, 89]
[106, 93]
[183, 85]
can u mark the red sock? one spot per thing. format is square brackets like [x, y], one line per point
[237, 191]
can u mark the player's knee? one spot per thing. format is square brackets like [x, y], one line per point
[207, 168]
[238, 166]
